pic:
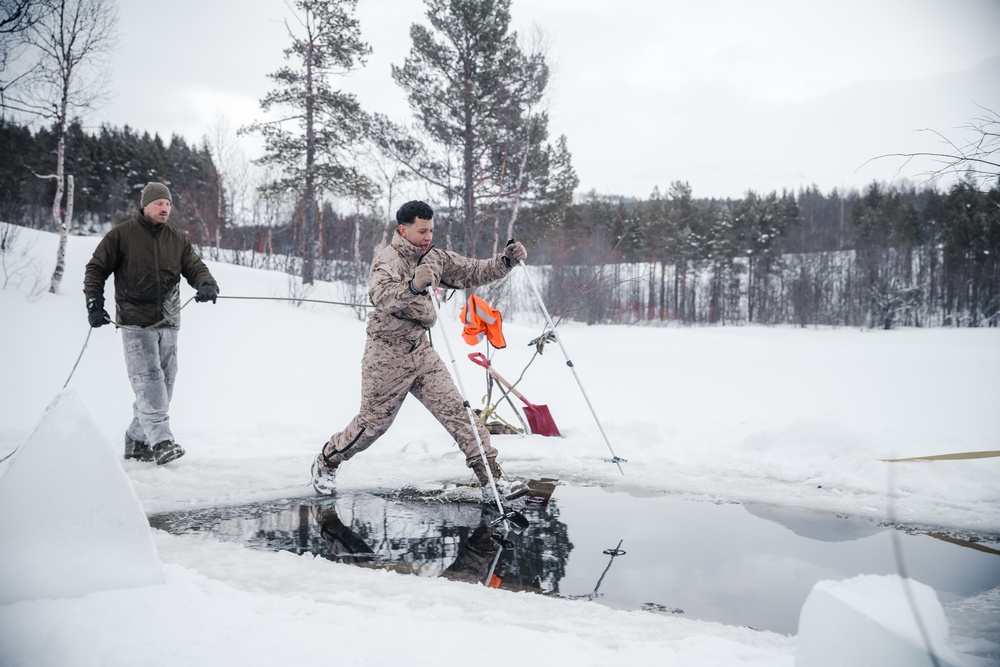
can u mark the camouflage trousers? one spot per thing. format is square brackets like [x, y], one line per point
[390, 371]
[151, 362]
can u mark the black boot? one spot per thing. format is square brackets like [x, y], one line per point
[167, 451]
[138, 450]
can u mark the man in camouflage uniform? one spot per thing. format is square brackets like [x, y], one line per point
[399, 358]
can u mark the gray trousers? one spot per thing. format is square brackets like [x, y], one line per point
[151, 362]
[388, 373]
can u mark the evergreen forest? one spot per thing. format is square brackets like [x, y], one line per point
[884, 257]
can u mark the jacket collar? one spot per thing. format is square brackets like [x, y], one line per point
[149, 225]
[406, 250]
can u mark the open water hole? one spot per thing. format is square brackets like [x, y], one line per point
[740, 564]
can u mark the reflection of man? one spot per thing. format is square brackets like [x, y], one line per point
[476, 557]
[344, 544]
[474, 562]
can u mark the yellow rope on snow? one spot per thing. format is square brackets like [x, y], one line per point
[957, 456]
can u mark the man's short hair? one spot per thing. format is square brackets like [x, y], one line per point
[412, 210]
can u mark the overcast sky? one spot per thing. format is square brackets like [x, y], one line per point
[726, 95]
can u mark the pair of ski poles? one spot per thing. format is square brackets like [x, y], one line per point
[505, 515]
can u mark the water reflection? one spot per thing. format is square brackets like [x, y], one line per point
[814, 525]
[748, 565]
[483, 554]
[458, 541]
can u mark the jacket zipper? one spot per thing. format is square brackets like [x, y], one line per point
[156, 275]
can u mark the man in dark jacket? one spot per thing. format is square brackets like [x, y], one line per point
[148, 258]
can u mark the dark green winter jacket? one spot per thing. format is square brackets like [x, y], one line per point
[148, 260]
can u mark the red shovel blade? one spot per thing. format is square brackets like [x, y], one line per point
[540, 420]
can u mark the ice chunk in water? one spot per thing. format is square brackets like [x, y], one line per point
[873, 620]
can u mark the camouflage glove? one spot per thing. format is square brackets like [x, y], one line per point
[96, 314]
[423, 276]
[514, 253]
[207, 292]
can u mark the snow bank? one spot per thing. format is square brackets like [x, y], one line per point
[70, 522]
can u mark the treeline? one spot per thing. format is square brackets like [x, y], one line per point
[888, 256]
[109, 170]
[885, 257]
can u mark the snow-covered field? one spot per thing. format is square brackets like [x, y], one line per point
[794, 417]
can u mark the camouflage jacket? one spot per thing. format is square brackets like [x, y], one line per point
[402, 316]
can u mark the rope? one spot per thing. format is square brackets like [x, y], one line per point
[298, 300]
[901, 569]
[129, 327]
[957, 456]
[87, 340]
[258, 298]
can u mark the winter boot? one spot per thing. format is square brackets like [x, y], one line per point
[324, 475]
[167, 451]
[503, 486]
[138, 450]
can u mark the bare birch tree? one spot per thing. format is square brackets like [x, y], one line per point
[69, 43]
[973, 159]
[17, 18]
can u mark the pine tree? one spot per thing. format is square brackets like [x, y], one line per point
[476, 94]
[316, 126]
[558, 189]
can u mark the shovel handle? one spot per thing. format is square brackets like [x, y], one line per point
[480, 359]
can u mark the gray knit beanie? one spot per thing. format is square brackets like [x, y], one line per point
[154, 191]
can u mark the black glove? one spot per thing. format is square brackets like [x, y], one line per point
[96, 314]
[514, 253]
[207, 292]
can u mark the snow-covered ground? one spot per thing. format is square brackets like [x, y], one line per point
[793, 417]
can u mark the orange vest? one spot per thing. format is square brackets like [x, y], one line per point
[481, 320]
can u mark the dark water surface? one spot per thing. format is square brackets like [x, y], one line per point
[746, 565]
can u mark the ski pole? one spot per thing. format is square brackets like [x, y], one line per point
[506, 517]
[614, 553]
[569, 362]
